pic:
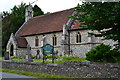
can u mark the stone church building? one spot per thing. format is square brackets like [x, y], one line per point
[67, 35]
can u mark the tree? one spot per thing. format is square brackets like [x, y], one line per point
[103, 53]
[99, 16]
[11, 22]
[37, 11]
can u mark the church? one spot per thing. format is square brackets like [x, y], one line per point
[67, 35]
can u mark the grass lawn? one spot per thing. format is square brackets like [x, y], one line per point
[59, 60]
[18, 59]
[1, 58]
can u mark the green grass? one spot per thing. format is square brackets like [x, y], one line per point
[18, 59]
[62, 59]
[1, 58]
[37, 75]
[59, 60]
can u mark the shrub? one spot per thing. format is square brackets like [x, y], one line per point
[103, 53]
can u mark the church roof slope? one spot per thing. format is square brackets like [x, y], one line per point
[21, 42]
[46, 23]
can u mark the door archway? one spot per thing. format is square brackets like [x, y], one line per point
[11, 50]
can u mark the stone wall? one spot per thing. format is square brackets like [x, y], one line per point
[80, 49]
[48, 39]
[76, 49]
[21, 52]
[69, 68]
[84, 36]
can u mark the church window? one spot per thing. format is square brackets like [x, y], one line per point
[78, 37]
[54, 40]
[36, 41]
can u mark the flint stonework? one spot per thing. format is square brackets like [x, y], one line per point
[69, 68]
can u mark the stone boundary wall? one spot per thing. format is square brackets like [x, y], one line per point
[69, 68]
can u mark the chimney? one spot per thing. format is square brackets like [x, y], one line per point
[28, 12]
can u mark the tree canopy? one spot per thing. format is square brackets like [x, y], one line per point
[37, 11]
[11, 22]
[99, 16]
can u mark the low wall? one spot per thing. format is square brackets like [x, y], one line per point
[69, 68]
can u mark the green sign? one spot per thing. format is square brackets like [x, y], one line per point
[48, 49]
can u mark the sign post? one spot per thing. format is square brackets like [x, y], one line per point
[53, 58]
[46, 50]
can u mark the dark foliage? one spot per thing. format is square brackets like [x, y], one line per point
[11, 22]
[99, 16]
[103, 53]
[37, 11]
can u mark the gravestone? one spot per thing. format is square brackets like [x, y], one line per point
[38, 56]
[6, 55]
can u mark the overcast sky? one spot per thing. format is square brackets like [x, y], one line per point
[45, 5]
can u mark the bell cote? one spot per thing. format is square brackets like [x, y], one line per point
[28, 12]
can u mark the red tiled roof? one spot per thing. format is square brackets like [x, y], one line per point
[76, 25]
[46, 23]
[21, 42]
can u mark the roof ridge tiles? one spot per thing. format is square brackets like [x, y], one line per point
[52, 13]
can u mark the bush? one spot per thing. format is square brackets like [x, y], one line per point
[103, 53]
[2, 51]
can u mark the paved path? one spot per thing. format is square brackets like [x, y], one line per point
[11, 76]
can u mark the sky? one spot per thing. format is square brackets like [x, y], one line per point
[45, 5]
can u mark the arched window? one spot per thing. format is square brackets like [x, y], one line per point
[54, 40]
[36, 41]
[78, 37]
